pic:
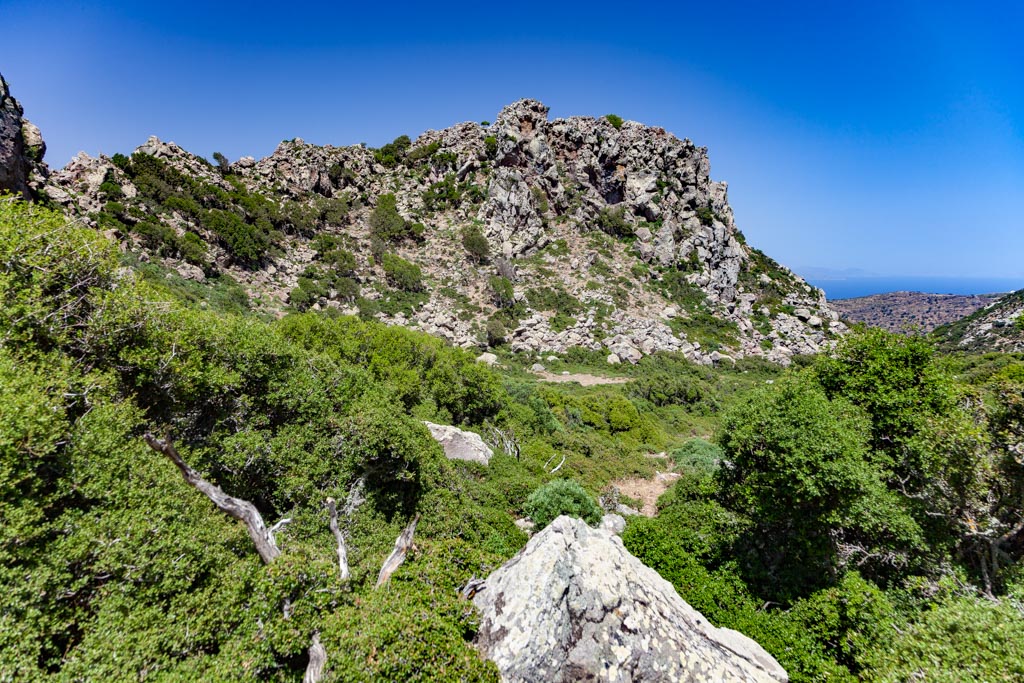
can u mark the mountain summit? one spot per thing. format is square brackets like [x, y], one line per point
[543, 234]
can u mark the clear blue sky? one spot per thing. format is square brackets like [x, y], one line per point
[883, 136]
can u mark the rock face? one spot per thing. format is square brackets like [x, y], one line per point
[614, 237]
[460, 445]
[575, 605]
[22, 170]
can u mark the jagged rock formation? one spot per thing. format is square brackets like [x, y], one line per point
[998, 326]
[575, 605]
[22, 170]
[614, 238]
[459, 444]
[910, 312]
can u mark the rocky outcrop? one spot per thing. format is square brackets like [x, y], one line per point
[575, 605]
[459, 444]
[22, 170]
[623, 221]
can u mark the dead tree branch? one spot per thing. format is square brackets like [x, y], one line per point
[342, 552]
[242, 510]
[317, 660]
[402, 547]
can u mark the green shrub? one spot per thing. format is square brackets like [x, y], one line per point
[614, 223]
[393, 153]
[615, 120]
[495, 332]
[698, 456]
[491, 146]
[502, 292]
[387, 225]
[706, 215]
[402, 274]
[475, 244]
[561, 497]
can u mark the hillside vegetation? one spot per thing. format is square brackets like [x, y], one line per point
[857, 514]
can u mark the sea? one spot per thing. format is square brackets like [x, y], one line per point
[849, 288]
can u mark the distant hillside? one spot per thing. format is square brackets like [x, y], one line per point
[903, 311]
[997, 327]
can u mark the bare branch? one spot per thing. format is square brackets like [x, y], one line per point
[402, 547]
[242, 510]
[559, 466]
[317, 660]
[280, 525]
[342, 553]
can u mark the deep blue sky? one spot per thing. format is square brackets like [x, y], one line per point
[882, 136]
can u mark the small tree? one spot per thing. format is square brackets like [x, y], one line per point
[495, 332]
[402, 274]
[474, 242]
[561, 497]
[223, 165]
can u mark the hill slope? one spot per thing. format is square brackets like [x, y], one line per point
[910, 311]
[576, 232]
[996, 327]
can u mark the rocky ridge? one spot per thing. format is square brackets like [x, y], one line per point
[999, 326]
[22, 170]
[575, 605]
[622, 223]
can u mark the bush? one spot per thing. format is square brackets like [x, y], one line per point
[393, 153]
[475, 244]
[615, 120]
[561, 497]
[402, 274]
[698, 456]
[502, 293]
[387, 225]
[614, 223]
[496, 332]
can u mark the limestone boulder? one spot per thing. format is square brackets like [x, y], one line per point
[459, 444]
[575, 605]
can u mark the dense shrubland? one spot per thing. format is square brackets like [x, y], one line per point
[858, 515]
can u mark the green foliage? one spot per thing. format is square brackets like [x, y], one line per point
[475, 244]
[444, 194]
[491, 146]
[614, 223]
[706, 215]
[561, 497]
[698, 456]
[553, 298]
[502, 292]
[223, 165]
[615, 120]
[402, 274]
[393, 153]
[495, 332]
[387, 225]
[961, 639]
[801, 470]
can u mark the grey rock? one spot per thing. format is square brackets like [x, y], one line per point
[459, 444]
[22, 170]
[613, 523]
[487, 358]
[574, 605]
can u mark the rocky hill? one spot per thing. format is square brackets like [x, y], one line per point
[22, 170]
[904, 312]
[544, 234]
[999, 326]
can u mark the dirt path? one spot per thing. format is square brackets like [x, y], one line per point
[647, 491]
[583, 379]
